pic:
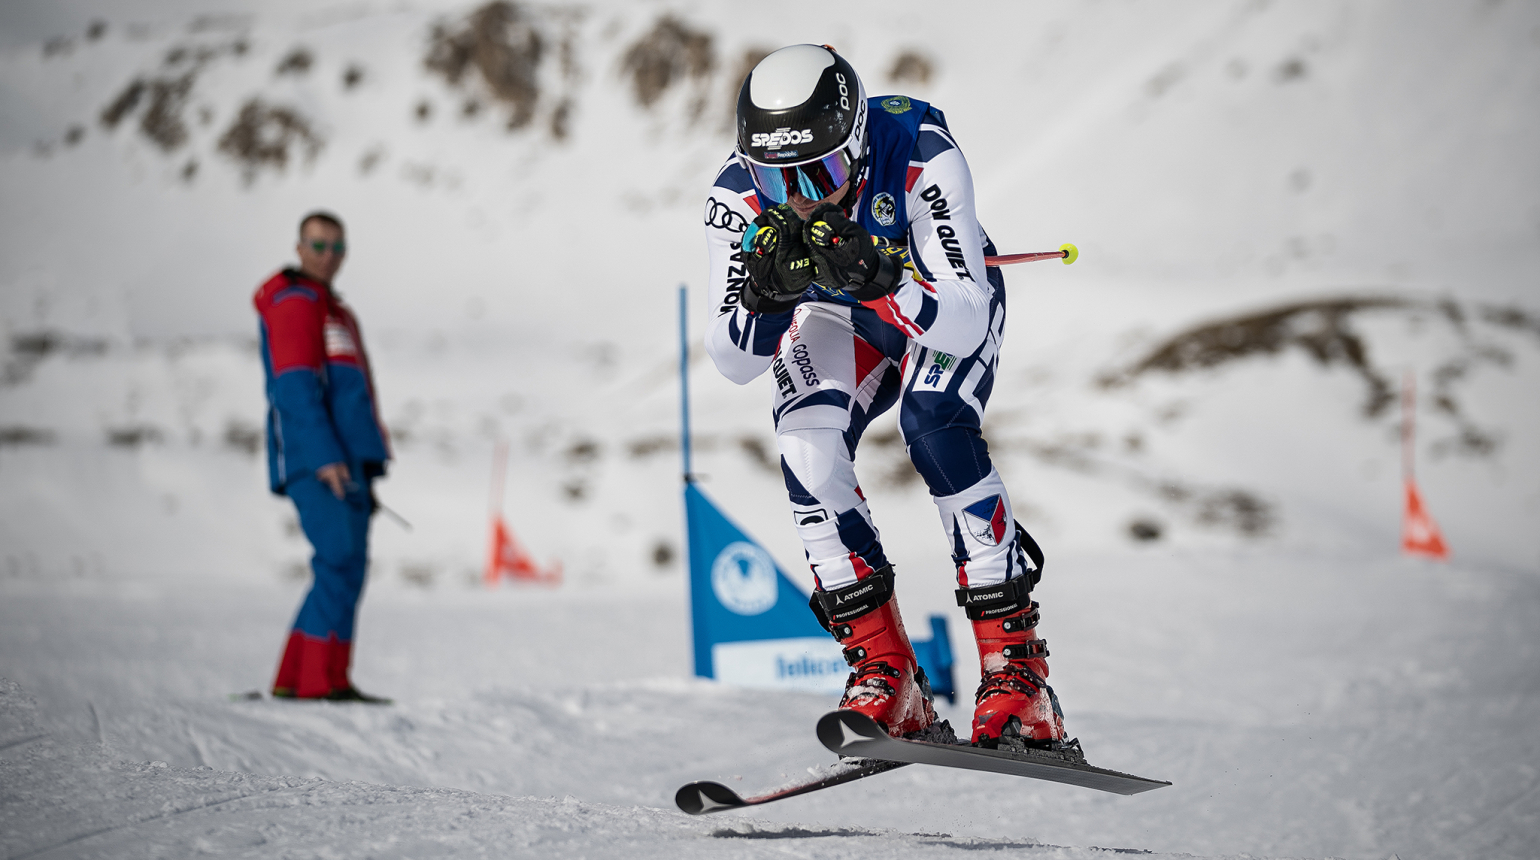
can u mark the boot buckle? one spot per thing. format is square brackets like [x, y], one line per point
[1032, 649]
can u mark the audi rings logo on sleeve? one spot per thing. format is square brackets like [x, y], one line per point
[724, 217]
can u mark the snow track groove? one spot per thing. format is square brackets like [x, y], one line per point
[44, 851]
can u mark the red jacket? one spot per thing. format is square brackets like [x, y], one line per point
[320, 393]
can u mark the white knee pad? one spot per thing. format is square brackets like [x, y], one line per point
[820, 461]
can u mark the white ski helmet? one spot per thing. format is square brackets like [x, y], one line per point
[802, 123]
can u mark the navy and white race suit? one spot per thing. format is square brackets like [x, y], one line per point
[931, 347]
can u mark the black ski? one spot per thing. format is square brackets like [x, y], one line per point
[700, 798]
[851, 733]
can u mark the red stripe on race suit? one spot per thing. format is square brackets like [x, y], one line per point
[859, 565]
[997, 521]
[892, 314]
[868, 358]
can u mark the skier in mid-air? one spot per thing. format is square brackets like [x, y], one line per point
[845, 256]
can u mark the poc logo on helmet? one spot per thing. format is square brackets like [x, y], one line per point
[781, 137]
[844, 91]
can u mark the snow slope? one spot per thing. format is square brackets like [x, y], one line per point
[1309, 693]
[1302, 706]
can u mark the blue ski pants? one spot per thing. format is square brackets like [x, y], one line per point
[338, 530]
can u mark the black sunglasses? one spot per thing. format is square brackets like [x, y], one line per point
[338, 248]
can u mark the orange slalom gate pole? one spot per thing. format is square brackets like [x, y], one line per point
[506, 556]
[1420, 535]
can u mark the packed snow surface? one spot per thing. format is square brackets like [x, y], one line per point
[1286, 212]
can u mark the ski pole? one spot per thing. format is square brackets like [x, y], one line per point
[393, 515]
[1067, 252]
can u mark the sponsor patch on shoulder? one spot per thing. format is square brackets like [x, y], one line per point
[339, 340]
[896, 104]
[884, 209]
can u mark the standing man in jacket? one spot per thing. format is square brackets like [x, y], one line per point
[325, 446]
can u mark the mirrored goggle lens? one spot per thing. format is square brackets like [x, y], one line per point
[814, 180]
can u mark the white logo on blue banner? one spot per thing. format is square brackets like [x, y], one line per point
[743, 578]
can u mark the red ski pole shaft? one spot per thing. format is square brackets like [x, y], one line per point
[1067, 253]
[1008, 259]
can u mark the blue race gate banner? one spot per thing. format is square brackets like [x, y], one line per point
[752, 625]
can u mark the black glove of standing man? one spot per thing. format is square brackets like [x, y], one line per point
[845, 257]
[777, 260]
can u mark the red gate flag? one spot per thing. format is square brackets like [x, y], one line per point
[1419, 534]
[508, 558]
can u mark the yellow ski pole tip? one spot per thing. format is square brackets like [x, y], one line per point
[1071, 253]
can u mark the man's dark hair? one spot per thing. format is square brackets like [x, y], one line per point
[324, 217]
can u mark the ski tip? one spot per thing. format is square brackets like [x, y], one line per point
[1125, 784]
[1071, 253]
[845, 732]
[699, 798]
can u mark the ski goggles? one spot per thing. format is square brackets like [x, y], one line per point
[814, 180]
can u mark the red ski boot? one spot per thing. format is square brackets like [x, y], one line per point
[1014, 702]
[886, 683]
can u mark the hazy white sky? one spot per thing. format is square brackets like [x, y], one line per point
[25, 22]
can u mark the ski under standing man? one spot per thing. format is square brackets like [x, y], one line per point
[846, 257]
[325, 447]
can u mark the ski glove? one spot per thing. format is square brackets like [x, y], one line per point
[847, 258]
[777, 260]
